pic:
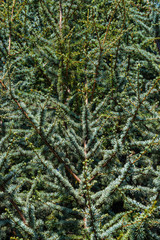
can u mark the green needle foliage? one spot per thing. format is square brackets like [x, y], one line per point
[79, 120]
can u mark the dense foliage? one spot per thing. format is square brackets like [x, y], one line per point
[79, 120]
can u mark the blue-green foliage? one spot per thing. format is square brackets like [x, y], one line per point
[79, 120]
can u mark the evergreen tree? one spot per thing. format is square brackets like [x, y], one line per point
[79, 120]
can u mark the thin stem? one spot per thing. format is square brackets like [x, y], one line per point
[110, 23]
[60, 16]
[10, 25]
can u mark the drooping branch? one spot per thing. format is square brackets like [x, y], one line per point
[14, 204]
[43, 138]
